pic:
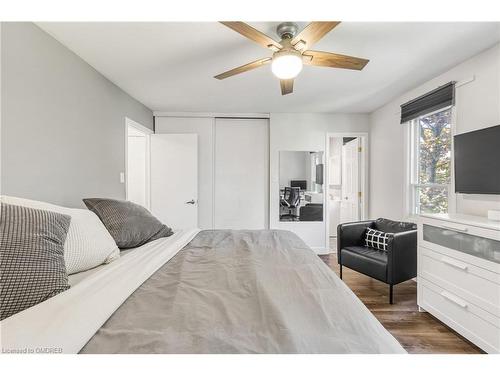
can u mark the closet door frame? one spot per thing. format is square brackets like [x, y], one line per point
[220, 115]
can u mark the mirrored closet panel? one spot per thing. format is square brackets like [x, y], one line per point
[301, 175]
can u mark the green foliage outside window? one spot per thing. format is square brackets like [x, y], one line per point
[434, 161]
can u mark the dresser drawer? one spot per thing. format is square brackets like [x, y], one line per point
[467, 319]
[475, 284]
[476, 245]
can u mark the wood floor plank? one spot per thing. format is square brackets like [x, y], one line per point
[417, 332]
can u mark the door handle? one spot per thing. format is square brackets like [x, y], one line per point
[192, 201]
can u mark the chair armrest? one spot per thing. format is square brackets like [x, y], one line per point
[351, 234]
[402, 256]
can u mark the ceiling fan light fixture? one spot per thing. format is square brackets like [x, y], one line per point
[292, 51]
[286, 64]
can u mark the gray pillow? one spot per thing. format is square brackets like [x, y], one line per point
[32, 264]
[130, 224]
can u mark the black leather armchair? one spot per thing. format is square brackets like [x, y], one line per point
[397, 264]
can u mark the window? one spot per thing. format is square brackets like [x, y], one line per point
[430, 169]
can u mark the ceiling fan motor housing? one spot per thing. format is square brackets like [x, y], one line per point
[287, 30]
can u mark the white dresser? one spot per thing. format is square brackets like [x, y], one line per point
[459, 275]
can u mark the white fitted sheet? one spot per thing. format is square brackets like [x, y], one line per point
[68, 320]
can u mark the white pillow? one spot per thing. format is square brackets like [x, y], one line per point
[88, 243]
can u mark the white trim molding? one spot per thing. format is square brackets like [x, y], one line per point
[147, 133]
[211, 114]
[364, 173]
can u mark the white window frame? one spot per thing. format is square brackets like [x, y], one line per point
[413, 136]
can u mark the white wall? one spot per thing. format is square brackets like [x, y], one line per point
[63, 123]
[477, 106]
[304, 132]
[1, 25]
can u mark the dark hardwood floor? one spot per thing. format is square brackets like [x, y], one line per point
[417, 332]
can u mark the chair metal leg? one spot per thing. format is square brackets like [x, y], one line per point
[341, 272]
[390, 294]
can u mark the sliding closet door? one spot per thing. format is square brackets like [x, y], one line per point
[241, 198]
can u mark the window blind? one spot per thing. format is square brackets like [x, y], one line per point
[441, 97]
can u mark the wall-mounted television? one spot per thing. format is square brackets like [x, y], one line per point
[477, 161]
[319, 174]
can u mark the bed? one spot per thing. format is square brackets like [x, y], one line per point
[197, 291]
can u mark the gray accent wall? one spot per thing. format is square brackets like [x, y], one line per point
[62, 122]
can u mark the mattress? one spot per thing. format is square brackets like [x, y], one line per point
[243, 292]
[204, 292]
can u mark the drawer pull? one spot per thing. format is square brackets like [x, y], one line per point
[454, 263]
[463, 230]
[454, 299]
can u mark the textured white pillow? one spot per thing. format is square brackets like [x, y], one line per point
[88, 243]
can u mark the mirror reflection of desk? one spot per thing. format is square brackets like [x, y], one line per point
[313, 197]
[302, 194]
[302, 173]
[310, 198]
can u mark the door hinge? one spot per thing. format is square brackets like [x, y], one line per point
[360, 149]
[359, 194]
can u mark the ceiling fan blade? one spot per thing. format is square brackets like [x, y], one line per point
[333, 60]
[244, 68]
[312, 33]
[253, 34]
[286, 86]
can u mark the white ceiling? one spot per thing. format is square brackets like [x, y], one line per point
[170, 66]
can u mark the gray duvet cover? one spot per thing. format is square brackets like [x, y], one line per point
[243, 292]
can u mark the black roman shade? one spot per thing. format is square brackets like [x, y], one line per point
[441, 97]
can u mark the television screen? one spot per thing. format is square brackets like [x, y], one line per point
[477, 161]
[319, 174]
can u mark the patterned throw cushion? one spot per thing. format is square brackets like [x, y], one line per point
[130, 224]
[32, 267]
[88, 243]
[376, 239]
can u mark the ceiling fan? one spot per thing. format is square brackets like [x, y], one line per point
[292, 51]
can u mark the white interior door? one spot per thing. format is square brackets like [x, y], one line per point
[204, 128]
[241, 174]
[174, 179]
[349, 206]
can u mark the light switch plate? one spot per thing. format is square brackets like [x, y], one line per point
[122, 177]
